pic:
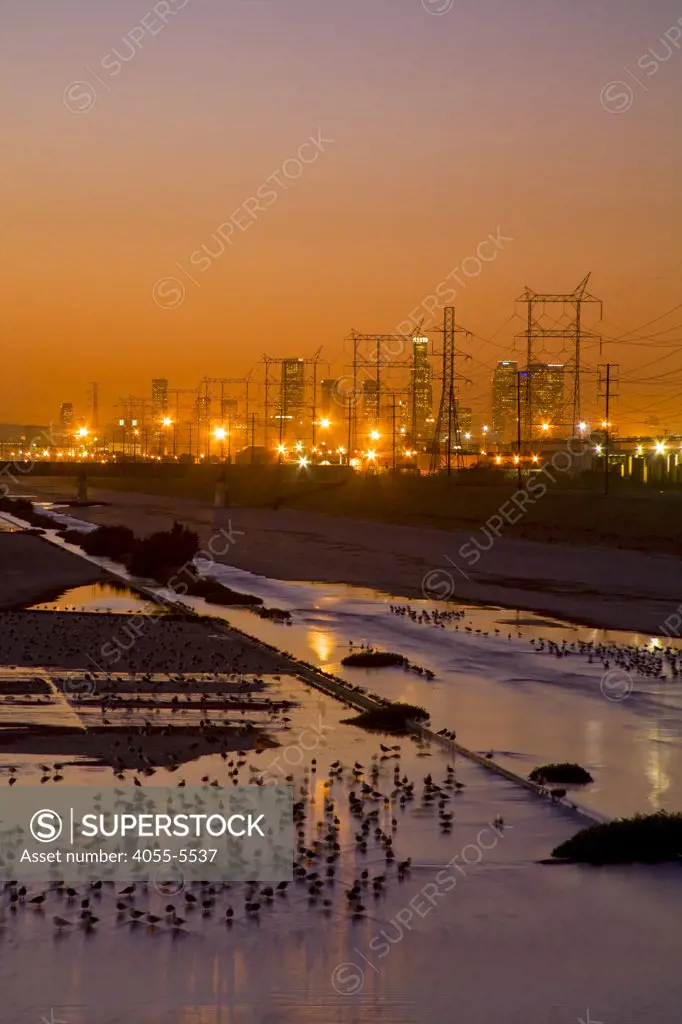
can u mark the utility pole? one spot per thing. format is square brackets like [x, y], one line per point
[253, 438]
[607, 380]
[393, 427]
[606, 429]
[519, 474]
[350, 424]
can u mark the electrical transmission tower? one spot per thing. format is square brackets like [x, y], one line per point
[375, 358]
[292, 383]
[205, 402]
[569, 326]
[132, 424]
[176, 421]
[447, 421]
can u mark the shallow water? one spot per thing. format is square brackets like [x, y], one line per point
[496, 691]
[116, 598]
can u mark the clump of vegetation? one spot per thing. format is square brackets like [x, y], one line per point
[117, 542]
[391, 718]
[213, 591]
[645, 839]
[20, 507]
[276, 614]
[160, 553]
[24, 509]
[564, 772]
[71, 536]
[374, 659]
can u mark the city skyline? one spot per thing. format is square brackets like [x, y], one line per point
[556, 168]
[418, 381]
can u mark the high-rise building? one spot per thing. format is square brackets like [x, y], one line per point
[370, 402]
[203, 407]
[546, 395]
[505, 400]
[327, 392]
[292, 389]
[464, 418]
[421, 387]
[159, 397]
[66, 414]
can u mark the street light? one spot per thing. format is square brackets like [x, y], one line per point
[375, 435]
[165, 422]
[220, 434]
[325, 423]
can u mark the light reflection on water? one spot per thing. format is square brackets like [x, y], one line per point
[101, 597]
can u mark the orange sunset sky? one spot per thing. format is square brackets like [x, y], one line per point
[449, 121]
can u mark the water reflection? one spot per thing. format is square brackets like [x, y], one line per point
[321, 644]
[112, 597]
[594, 731]
[658, 760]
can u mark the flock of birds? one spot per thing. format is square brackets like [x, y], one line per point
[652, 661]
[345, 863]
[134, 643]
[427, 616]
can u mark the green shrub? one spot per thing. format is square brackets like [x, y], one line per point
[160, 553]
[117, 542]
[565, 772]
[391, 718]
[374, 659]
[647, 839]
